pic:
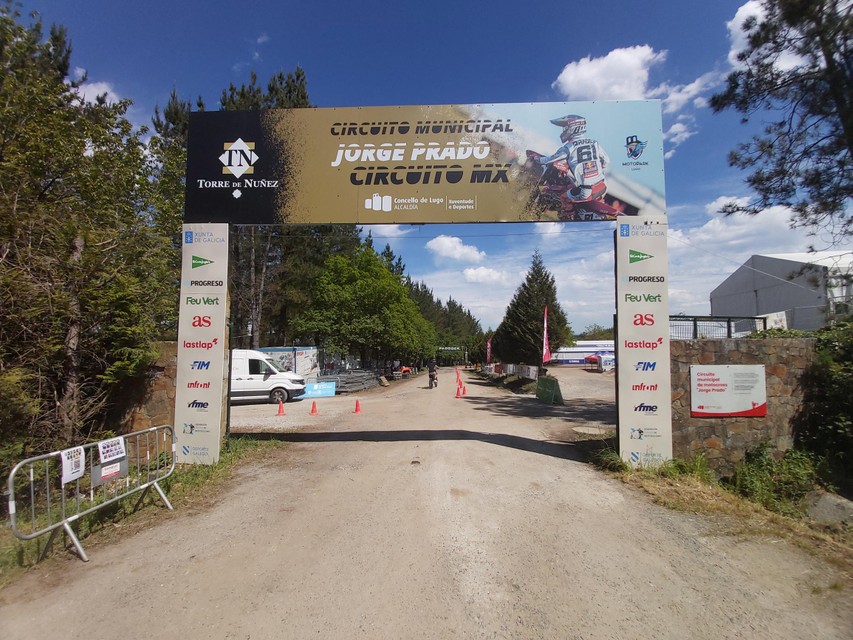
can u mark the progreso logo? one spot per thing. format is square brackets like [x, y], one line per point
[644, 279]
[643, 344]
[203, 283]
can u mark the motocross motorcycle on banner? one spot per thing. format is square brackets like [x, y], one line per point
[555, 189]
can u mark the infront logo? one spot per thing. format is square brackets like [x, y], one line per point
[239, 158]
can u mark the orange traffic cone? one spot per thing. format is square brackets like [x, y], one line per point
[458, 392]
[280, 408]
[464, 390]
[314, 408]
[357, 407]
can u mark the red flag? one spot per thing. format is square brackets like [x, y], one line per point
[546, 348]
[489, 351]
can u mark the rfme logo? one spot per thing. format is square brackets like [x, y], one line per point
[378, 203]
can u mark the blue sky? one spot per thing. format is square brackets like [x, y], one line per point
[373, 53]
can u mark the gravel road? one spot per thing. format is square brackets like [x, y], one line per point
[431, 516]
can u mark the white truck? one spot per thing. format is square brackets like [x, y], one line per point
[255, 377]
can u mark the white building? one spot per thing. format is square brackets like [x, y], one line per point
[811, 289]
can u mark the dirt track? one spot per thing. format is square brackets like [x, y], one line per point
[431, 516]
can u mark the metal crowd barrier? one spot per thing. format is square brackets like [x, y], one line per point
[48, 493]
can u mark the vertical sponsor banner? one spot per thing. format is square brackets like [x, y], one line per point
[201, 343]
[642, 348]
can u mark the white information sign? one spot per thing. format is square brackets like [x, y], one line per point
[73, 464]
[642, 345]
[202, 328]
[112, 449]
[729, 390]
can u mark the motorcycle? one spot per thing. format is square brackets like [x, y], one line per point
[433, 379]
[555, 187]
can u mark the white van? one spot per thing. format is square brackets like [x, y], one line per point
[255, 377]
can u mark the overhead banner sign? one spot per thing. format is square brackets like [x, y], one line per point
[570, 161]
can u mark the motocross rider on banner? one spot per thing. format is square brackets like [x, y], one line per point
[585, 158]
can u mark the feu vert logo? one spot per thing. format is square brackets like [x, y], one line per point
[637, 256]
[239, 158]
[200, 262]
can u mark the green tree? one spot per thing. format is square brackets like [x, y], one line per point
[79, 301]
[797, 70]
[519, 337]
[360, 307]
[595, 332]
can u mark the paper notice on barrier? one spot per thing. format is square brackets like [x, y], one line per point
[73, 464]
[111, 449]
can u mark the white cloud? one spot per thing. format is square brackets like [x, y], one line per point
[485, 275]
[262, 39]
[453, 248]
[389, 230]
[679, 132]
[623, 74]
[676, 97]
[549, 228]
[737, 37]
[90, 91]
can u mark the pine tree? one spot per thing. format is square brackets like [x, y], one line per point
[519, 337]
[797, 69]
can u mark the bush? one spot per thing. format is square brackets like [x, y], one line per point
[824, 427]
[777, 484]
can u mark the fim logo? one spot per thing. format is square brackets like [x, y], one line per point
[198, 261]
[645, 366]
[200, 365]
[239, 158]
[634, 147]
[637, 256]
[378, 203]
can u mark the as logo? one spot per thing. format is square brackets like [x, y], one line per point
[644, 319]
[239, 158]
[637, 256]
[198, 261]
[201, 321]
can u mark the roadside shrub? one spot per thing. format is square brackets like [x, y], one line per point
[777, 484]
[610, 460]
[696, 466]
[824, 427]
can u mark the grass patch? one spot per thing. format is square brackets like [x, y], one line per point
[189, 487]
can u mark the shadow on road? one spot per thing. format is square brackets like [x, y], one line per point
[580, 410]
[577, 451]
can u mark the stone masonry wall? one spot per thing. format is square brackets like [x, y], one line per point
[725, 440]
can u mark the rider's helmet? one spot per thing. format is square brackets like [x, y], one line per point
[573, 126]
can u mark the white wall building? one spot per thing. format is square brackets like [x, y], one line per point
[812, 289]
